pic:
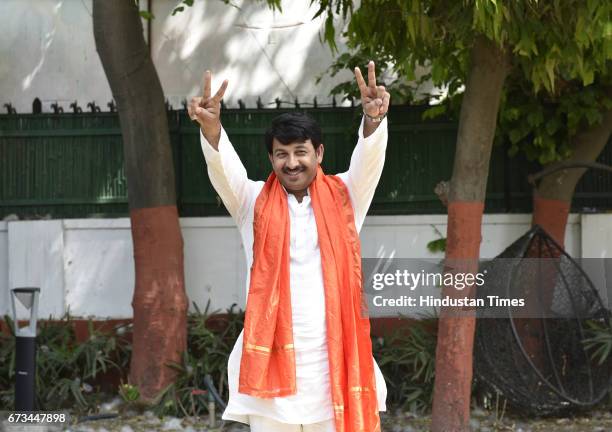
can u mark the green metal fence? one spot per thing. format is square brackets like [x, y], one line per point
[71, 165]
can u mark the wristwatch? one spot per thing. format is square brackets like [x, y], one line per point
[375, 119]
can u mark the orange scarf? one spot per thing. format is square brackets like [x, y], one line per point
[267, 368]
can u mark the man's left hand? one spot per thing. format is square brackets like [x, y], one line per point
[374, 99]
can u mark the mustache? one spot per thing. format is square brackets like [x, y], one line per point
[286, 170]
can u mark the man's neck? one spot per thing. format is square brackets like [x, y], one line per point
[299, 196]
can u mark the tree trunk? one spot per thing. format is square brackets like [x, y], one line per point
[551, 206]
[477, 122]
[553, 197]
[160, 303]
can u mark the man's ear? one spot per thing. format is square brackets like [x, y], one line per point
[319, 152]
[270, 157]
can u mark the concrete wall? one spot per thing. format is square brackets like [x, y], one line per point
[36, 259]
[86, 265]
[407, 236]
[48, 51]
[597, 236]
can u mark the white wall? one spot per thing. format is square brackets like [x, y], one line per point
[597, 243]
[597, 236]
[215, 267]
[86, 265]
[407, 236]
[36, 255]
[99, 267]
[47, 50]
[261, 53]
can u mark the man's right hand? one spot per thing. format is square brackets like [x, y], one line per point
[206, 110]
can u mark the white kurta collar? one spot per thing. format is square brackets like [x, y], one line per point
[305, 196]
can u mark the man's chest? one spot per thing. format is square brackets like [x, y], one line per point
[304, 241]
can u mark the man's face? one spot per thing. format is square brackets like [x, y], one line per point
[295, 164]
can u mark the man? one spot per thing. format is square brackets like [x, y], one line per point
[304, 359]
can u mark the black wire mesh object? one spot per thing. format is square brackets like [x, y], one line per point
[540, 365]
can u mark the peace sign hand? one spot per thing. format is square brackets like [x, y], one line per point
[206, 110]
[374, 99]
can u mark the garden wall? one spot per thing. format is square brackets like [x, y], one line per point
[85, 266]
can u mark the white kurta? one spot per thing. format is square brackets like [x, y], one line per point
[312, 403]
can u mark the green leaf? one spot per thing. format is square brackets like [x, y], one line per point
[330, 33]
[515, 135]
[411, 28]
[434, 111]
[512, 113]
[438, 245]
[148, 15]
[552, 126]
[437, 72]
[588, 76]
[550, 70]
[593, 116]
[319, 12]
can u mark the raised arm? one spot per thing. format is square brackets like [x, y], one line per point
[368, 157]
[206, 111]
[374, 100]
[225, 170]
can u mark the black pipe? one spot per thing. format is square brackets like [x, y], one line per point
[102, 416]
[213, 391]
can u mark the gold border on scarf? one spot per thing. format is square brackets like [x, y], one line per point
[251, 347]
[267, 393]
[267, 350]
[359, 389]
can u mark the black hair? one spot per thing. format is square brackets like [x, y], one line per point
[293, 127]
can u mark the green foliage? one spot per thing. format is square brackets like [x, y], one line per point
[400, 91]
[146, 15]
[560, 49]
[542, 125]
[567, 39]
[438, 245]
[181, 7]
[407, 360]
[7, 366]
[344, 7]
[599, 341]
[128, 392]
[67, 372]
[273, 4]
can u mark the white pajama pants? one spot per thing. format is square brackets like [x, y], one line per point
[265, 424]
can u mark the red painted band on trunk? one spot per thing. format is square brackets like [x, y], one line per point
[452, 387]
[463, 233]
[160, 303]
[551, 215]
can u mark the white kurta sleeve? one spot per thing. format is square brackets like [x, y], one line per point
[228, 176]
[365, 169]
